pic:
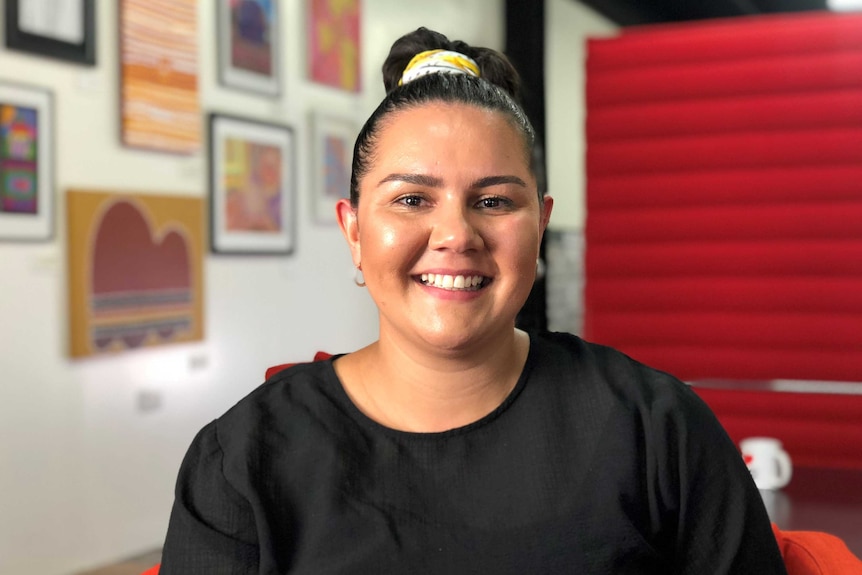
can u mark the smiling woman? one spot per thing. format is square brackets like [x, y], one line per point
[429, 207]
[456, 443]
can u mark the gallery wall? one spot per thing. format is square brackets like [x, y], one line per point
[89, 448]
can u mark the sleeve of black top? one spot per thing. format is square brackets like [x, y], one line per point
[721, 524]
[211, 529]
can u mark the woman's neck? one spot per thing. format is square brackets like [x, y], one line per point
[429, 392]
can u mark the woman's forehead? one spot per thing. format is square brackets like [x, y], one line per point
[458, 125]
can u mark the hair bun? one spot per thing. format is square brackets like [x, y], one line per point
[493, 65]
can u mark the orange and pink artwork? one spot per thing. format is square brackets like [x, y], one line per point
[334, 43]
[135, 271]
[159, 64]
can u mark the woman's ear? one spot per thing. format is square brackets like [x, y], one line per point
[547, 207]
[349, 224]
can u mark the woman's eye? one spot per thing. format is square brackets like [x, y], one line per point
[412, 201]
[493, 202]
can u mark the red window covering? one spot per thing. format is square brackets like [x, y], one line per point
[724, 198]
[724, 229]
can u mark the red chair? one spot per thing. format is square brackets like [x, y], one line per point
[815, 553]
[320, 355]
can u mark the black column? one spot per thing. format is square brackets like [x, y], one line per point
[525, 47]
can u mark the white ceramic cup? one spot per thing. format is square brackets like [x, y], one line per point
[767, 461]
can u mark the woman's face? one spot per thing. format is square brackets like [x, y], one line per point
[448, 225]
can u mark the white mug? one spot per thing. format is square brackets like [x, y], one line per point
[767, 461]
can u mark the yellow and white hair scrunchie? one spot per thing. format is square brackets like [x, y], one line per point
[438, 62]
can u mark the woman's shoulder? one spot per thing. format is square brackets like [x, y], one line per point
[285, 401]
[598, 366]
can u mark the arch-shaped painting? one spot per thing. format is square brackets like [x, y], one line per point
[135, 271]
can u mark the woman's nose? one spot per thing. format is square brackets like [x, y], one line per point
[453, 228]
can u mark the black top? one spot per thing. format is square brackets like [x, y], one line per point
[593, 464]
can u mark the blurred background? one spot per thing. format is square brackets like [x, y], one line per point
[90, 445]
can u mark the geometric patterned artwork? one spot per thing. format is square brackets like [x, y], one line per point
[135, 271]
[26, 163]
[19, 131]
[333, 43]
[159, 61]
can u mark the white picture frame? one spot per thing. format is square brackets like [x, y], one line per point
[332, 139]
[26, 206]
[252, 63]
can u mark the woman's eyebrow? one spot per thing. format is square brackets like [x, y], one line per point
[435, 182]
[489, 181]
[416, 179]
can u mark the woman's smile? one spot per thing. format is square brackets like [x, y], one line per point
[456, 282]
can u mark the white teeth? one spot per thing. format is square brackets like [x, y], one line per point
[448, 282]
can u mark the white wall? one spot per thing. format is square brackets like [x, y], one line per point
[85, 476]
[568, 24]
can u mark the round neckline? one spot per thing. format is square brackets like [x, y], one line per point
[367, 422]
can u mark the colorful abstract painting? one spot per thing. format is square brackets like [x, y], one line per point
[249, 39]
[334, 43]
[135, 271]
[19, 157]
[252, 177]
[251, 35]
[159, 61]
[334, 137]
[252, 183]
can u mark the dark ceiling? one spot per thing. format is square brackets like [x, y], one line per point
[633, 12]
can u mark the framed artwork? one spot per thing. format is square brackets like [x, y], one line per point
[252, 195]
[333, 138]
[135, 266]
[248, 45]
[159, 75]
[26, 163]
[64, 29]
[334, 43]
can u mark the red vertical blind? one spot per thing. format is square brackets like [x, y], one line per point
[724, 197]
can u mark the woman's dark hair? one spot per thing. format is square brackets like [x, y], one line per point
[497, 89]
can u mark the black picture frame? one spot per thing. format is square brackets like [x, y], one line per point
[274, 155]
[83, 52]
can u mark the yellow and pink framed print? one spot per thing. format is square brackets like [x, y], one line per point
[135, 270]
[26, 163]
[334, 48]
[252, 179]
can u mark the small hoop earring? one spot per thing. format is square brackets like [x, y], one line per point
[358, 278]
